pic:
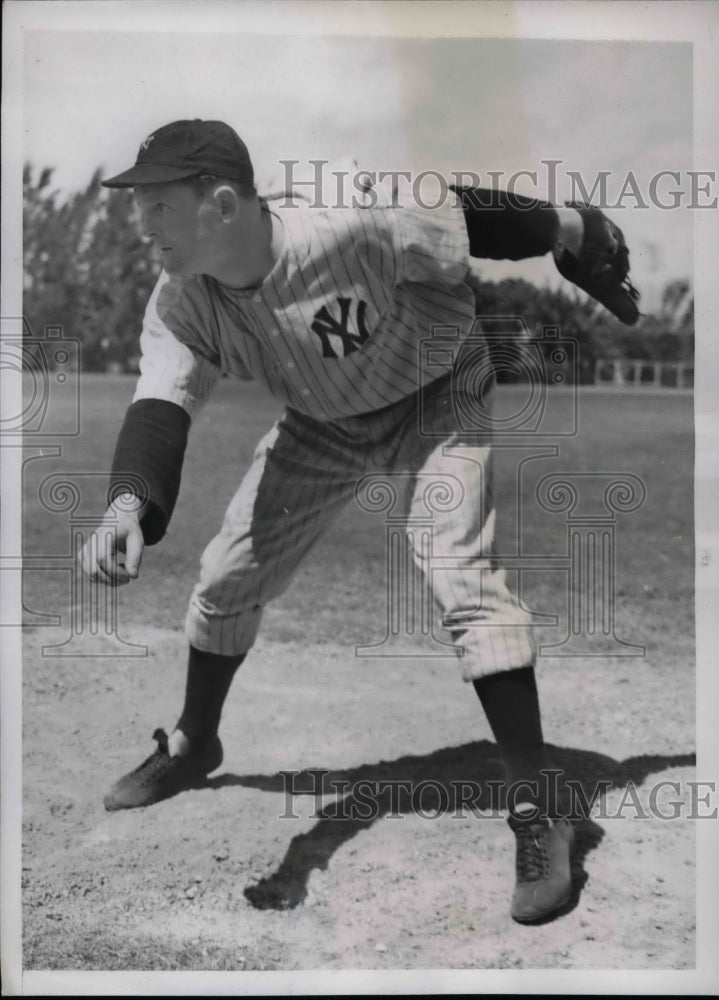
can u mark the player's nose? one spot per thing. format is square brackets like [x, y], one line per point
[149, 230]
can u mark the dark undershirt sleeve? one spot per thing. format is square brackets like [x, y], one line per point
[148, 461]
[503, 226]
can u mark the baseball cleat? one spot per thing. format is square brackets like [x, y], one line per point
[602, 267]
[544, 880]
[161, 775]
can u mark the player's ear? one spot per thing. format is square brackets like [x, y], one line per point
[226, 202]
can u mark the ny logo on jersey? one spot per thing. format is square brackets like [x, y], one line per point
[328, 328]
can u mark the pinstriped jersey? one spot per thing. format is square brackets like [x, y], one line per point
[335, 329]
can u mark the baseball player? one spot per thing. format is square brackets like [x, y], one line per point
[327, 308]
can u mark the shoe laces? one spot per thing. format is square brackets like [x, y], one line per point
[158, 761]
[532, 853]
[162, 741]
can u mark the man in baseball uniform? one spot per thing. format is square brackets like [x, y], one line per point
[327, 308]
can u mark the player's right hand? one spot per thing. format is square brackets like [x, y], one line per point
[113, 552]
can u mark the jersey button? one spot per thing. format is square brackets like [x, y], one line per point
[275, 333]
[305, 392]
[290, 364]
[257, 297]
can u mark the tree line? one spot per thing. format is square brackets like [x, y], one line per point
[88, 269]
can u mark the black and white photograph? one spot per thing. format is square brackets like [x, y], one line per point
[359, 452]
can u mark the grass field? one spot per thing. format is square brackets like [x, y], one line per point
[163, 888]
[341, 589]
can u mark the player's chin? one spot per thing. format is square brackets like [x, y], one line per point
[169, 265]
[173, 263]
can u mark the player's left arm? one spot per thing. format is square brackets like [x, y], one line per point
[504, 226]
[588, 248]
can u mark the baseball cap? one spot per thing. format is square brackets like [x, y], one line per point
[187, 149]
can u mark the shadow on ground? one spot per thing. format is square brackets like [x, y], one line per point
[452, 780]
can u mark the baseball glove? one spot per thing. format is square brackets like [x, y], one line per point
[602, 267]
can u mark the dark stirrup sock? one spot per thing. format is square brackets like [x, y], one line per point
[504, 226]
[209, 676]
[511, 704]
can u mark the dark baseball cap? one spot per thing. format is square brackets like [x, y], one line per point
[187, 149]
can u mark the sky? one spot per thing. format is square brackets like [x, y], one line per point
[390, 103]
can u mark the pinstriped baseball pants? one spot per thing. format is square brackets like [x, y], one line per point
[303, 474]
